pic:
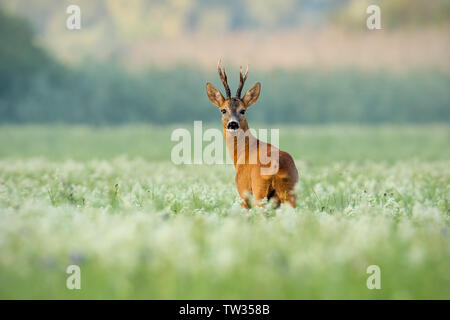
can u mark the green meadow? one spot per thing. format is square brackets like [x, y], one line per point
[109, 200]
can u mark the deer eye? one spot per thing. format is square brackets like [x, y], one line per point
[223, 111]
[242, 111]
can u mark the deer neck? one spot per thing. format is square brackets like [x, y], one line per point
[239, 143]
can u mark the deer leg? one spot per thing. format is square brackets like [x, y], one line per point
[260, 187]
[292, 199]
[244, 188]
[284, 189]
[245, 196]
[245, 204]
[244, 191]
[275, 200]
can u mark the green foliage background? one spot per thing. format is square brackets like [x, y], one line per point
[102, 94]
[36, 88]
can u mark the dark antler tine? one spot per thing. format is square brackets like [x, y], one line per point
[242, 79]
[223, 77]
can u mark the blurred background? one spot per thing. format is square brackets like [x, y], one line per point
[139, 61]
[86, 118]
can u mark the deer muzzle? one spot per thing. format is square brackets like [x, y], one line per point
[233, 125]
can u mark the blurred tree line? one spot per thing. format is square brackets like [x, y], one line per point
[36, 88]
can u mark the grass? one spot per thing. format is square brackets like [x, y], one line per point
[311, 144]
[109, 200]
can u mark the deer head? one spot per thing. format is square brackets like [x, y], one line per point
[233, 109]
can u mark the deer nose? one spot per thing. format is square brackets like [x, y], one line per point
[233, 125]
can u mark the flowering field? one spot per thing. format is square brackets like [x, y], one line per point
[110, 201]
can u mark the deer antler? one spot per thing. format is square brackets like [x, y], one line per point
[223, 77]
[241, 82]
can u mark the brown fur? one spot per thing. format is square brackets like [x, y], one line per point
[277, 187]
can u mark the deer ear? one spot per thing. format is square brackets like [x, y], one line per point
[252, 95]
[214, 95]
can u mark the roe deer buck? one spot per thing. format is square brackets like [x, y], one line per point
[273, 179]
